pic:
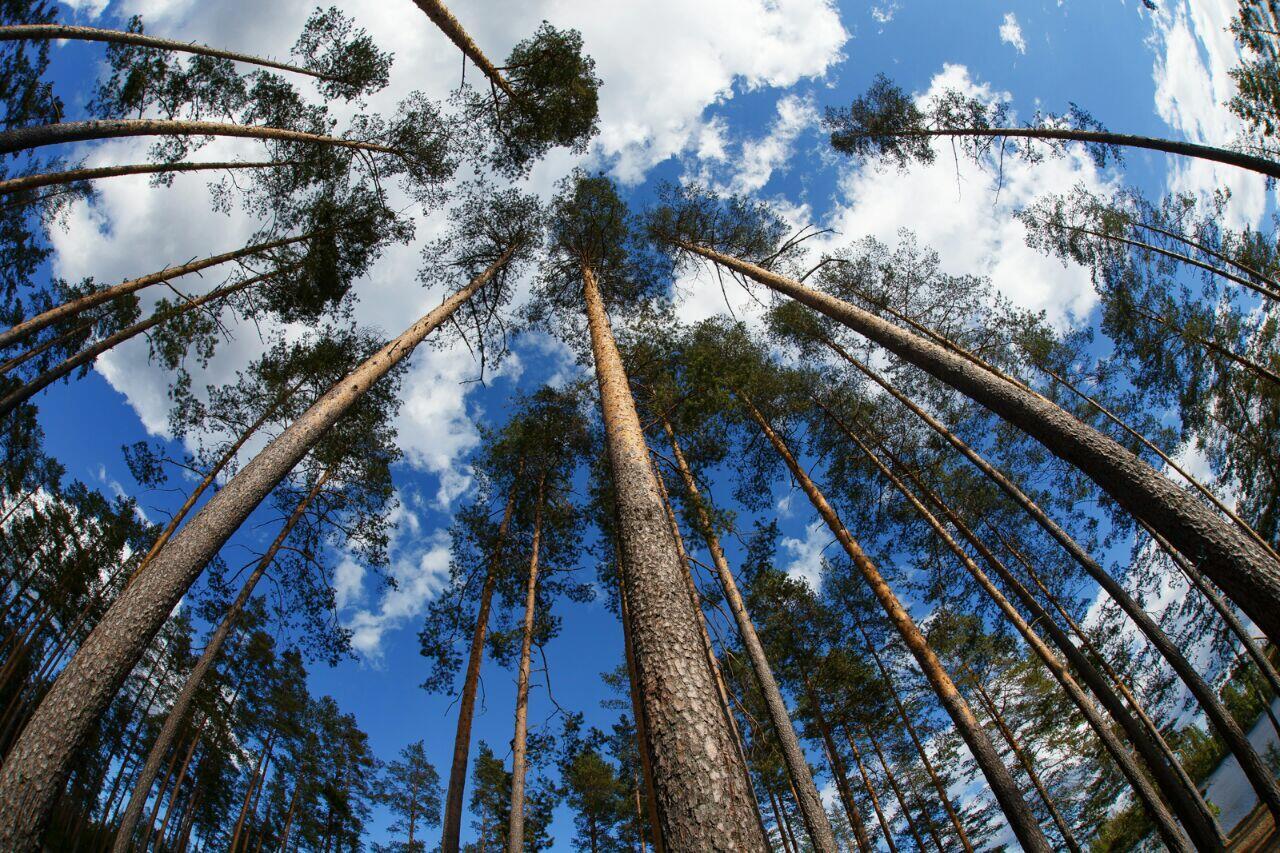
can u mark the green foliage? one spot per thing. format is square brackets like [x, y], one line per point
[349, 58]
[410, 790]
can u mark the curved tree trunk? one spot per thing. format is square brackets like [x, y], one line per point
[448, 24]
[519, 743]
[36, 768]
[32, 182]
[75, 306]
[1191, 805]
[182, 703]
[1254, 769]
[698, 781]
[1006, 791]
[90, 354]
[40, 135]
[470, 684]
[50, 32]
[1242, 569]
[815, 816]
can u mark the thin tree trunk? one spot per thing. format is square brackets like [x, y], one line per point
[182, 703]
[91, 300]
[902, 800]
[1259, 776]
[815, 816]
[26, 183]
[1068, 837]
[288, 818]
[701, 799]
[90, 353]
[37, 136]
[777, 821]
[1242, 569]
[515, 827]
[1261, 165]
[1260, 371]
[1189, 801]
[471, 683]
[261, 766]
[37, 766]
[158, 836]
[49, 32]
[838, 770]
[27, 355]
[871, 792]
[448, 24]
[1006, 791]
[1269, 282]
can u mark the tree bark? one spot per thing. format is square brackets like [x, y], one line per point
[90, 353]
[49, 32]
[902, 800]
[182, 703]
[871, 792]
[91, 300]
[25, 183]
[448, 24]
[515, 827]
[1006, 791]
[471, 683]
[643, 743]
[37, 136]
[702, 804]
[815, 816]
[36, 767]
[254, 781]
[838, 770]
[158, 837]
[1191, 805]
[777, 821]
[1242, 569]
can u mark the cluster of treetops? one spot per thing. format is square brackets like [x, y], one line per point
[1004, 499]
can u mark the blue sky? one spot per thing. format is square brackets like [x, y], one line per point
[724, 91]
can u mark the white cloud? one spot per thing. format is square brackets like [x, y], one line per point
[1194, 55]
[806, 554]
[761, 157]
[884, 12]
[1011, 33]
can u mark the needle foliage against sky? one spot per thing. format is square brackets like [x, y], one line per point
[726, 92]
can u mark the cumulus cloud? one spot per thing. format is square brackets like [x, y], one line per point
[805, 555]
[1011, 33]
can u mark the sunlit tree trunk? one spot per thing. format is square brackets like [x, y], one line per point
[515, 831]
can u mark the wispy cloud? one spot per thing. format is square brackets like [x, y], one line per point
[1011, 33]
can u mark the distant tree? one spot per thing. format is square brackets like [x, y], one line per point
[410, 789]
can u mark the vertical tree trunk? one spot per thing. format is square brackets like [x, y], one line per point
[871, 792]
[182, 703]
[838, 771]
[36, 767]
[515, 830]
[258, 770]
[1006, 791]
[815, 816]
[643, 742]
[471, 683]
[1145, 793]
[1068, 837]
[698, 778]
[288, 818]
[1242, 568]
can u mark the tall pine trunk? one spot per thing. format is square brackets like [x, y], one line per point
[448, 24]
[838, 770]
[26, 183]
[1021, 820]
[815, 816]
[1240, 567]
[182, 703]
[903, 806]
[698, 779]
[471, 683]
[36, 768]
[519, 743]
[871, 792]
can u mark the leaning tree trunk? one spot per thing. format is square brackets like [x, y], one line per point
[26, 183]
[40, 135]
[62, 31]
[838, 769]
[1021, 819]
[1191, 806]
[702, 802]
[1261, 165]
[885, 826]
[448, 24]
[815, 816]
[1255, 770]
[1239, 566]
[90, 354]
[901, 798]
[73, 307]
[519, 743]
[36, 768]
[178, 713]
[470, 684]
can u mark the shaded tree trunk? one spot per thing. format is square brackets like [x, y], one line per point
[1006, 791]
[701, 800]
[637, 709]
[1233, 560]
[448, 24]
[838, 770]
[515, 831]
[26, 183]
[871, 792]
[902, 800]
[36, 767]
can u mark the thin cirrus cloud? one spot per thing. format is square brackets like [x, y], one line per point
[1011, 33]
